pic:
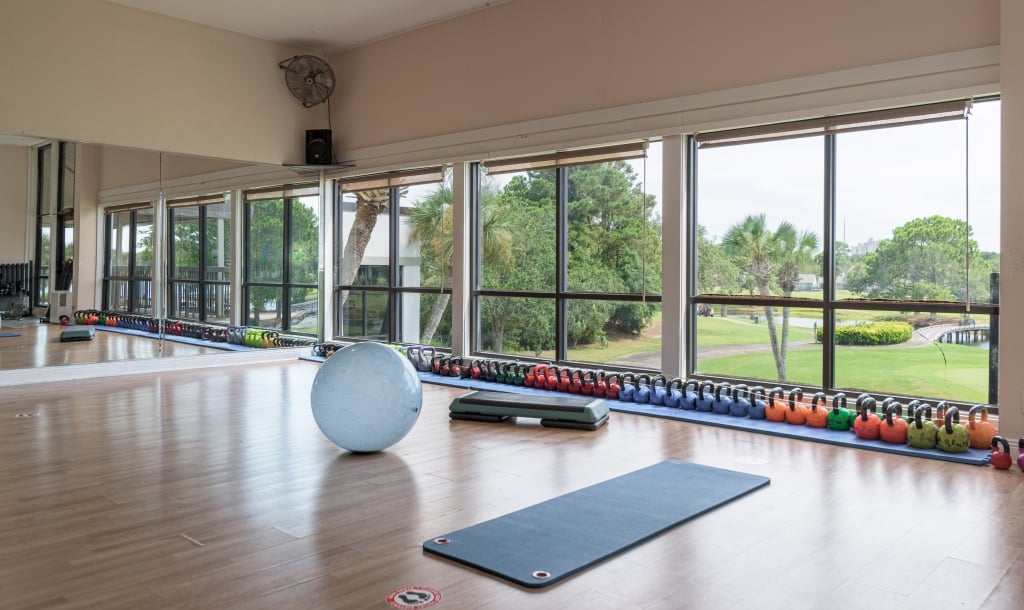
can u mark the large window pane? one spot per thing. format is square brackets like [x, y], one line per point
[426, 318]
[218, 303]
[116, 298]
[185, 300]
[760, 219]
[218, 242]
[302, 312]
[365, 315]
[597, 333]
[266, 304]
[142, 295]
[185, 243]
[610, 220]
[773, 344]
[265, 258]
[143, 243]
[932, 355]
[365, 238]
[901, 215]
[515, 325]
[425, 235]
[524, 201]
[305, 237]
[119, 243]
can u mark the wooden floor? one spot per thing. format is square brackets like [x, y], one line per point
[39, 346]
[215, 489]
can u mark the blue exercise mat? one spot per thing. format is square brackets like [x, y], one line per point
[9, 335]
[547, 542]
[974, 457]
[231, 347]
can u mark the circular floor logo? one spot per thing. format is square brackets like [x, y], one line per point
[414, 597]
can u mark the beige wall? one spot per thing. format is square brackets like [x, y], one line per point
[120, 167]
[91, 71]
[13, 203]
[1011, 267]
[530, 59]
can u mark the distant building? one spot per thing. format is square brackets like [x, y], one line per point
[864, 248]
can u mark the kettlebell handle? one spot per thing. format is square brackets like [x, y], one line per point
[718, 391]
[771, 395]
[754, 391]
[894, 407]
[818, 397]
[675, 384]
[868, 403]
[705, 384]
[977, 409]
[924, 410]
[952, 417]
[1000, 442]
[740, 387]
[794, 395]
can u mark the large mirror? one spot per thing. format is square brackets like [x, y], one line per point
[83, 230]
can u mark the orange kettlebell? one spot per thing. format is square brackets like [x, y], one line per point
[893, 429]
[775, 412]
[818, 417]
[982, 432]
[797, 413]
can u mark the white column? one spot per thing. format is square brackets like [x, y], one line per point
[674, 322]
[239, 308]
[460, 259]
[1011, 268]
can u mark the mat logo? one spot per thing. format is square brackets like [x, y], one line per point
[414, 597]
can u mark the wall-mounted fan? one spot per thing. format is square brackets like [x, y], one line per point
[309, 78]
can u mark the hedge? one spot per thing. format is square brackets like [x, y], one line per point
[876, 333]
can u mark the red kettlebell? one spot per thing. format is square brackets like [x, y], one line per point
[564, 380]
[551, 381]
[576, 382]
[611, 391]
[474, 369]
[588, 383]
[1001, 458]
[531, 376]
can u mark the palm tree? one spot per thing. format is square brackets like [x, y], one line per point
[756, 250]
[795, 251]
[370, 205]
[430, 225]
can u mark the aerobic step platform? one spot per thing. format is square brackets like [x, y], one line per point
[77, 333]
[553, 411]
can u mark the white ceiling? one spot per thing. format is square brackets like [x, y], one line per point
[314, 26]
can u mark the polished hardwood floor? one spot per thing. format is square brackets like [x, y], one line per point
[38, 345]
[215, 489]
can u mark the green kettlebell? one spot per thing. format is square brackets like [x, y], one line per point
[839, 418]
[922, 433]
[953, 437]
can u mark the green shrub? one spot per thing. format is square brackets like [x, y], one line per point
[875, 333]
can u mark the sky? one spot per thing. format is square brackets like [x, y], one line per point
[885, 178]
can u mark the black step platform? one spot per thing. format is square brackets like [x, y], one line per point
[77, 333]
[557, 411]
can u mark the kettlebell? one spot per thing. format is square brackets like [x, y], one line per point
[797, 413]
[867, 423]
[413, 354]
[722, 401]
[818, 417]
[757, 405]
[530, 379]
[893, 428]
[600, 384]
[520, 371]
[776, 412]
[612, 387]
[689, 399]
[705, 396]
[839, 418]
[475, 369]
[981, 431]
[588, 382]
[659, 390]
[455, 366]
[627, 387]
[940, 414]
[740, 400]
[642, 394]
[922, 434]
[1001, 458]
[575, 385]
[551, 381]
[953, 437]
[674, 397]
[912, 407]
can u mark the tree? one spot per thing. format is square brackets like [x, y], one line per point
[430, 222]
[370, 204]
[926, 259]
[716, 273]
[764, 255]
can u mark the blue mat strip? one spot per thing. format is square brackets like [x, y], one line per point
[567, 534]
[975, 457]
[177, 339]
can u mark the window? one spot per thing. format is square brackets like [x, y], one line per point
[569, 257]
[128, 269]
[44, 224]
[282, 236]
[854, 253]
[200, 251]
[394, 270]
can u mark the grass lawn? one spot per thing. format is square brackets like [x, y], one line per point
[913, 371]
[743, 331]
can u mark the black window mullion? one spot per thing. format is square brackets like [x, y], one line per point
[394, 222]
[286, 263]
[476, 263]
[561, 262]
[691, 255]
[828, 347]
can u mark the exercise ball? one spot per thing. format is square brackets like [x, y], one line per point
[366, 397]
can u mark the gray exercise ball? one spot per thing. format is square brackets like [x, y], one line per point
[366, 397]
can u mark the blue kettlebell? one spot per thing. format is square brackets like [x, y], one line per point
[627, 388]
[740, 401]
[705, 396]
[659, 390]
[689, 399]
[722, 399]
[757, 405]
[642, 395]
[675, 393]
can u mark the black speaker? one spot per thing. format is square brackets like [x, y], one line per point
[318, 147]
